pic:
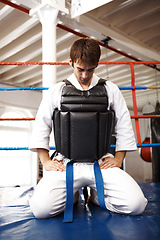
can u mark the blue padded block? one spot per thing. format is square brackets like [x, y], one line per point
[90, 222]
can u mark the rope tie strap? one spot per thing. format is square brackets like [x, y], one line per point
[68, 213]
[99, 186]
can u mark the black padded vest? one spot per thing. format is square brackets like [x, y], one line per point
[83, 126]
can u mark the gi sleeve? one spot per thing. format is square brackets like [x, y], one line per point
[125, 139]
[42, 128]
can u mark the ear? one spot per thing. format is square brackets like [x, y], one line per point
[70, 62]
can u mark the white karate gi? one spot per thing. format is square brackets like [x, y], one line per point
[122, 193]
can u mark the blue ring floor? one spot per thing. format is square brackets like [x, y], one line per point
[90, 222]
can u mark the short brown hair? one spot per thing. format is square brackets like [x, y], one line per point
[86, 50]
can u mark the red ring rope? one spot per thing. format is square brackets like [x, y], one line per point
[17, 119]
[144, 116]
[32, 119]
[34, 63]
[67, 63]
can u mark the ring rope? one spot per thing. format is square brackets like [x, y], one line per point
[144, 116]
[53, 148]
[23, 88]
[32, 119]
[46, 88]
[34, 63]
[17, 119]
[67, 63]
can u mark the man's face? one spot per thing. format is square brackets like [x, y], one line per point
[83, 72]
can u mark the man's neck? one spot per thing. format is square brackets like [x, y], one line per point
[85, 87]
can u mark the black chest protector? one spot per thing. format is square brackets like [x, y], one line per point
[83, 126]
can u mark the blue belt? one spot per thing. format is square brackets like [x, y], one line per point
[68, 213]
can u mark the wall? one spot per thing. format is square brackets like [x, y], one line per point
[24, 100]
[140, 170]
[17, 167]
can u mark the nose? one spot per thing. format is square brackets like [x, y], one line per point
[84, 74]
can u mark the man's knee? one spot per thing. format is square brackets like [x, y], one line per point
[137, 205]
[45, 209]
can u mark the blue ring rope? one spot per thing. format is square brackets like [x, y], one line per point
[53, 148]
[23, 88]
[46, 88]
[131, 88]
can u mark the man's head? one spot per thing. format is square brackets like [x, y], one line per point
[84, 58]
[85, 50]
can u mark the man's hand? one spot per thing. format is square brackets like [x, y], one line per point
[54, 165]
[110, 162]
[48, 164]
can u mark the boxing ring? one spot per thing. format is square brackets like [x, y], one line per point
[90, 221]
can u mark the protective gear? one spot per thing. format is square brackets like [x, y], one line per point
[83, 126]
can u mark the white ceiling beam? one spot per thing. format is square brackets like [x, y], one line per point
[24, 44]
[137, 11]
[64, 38]
[21, 43]
[148, 33]
[141, 23]
[64, 71]
[33, 82]
[26, 40]
[114, 6]
[75, 24]
[23, 77]
[5, 11]
[16, 72]
[17, 32]
[154, 42]
[123, 42]
[91, 26]
[26, 57]
[28, 3]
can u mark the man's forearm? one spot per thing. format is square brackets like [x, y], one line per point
[120, 155]
[48, 164]
[43, 155]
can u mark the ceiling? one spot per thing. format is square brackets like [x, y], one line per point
[133, 27]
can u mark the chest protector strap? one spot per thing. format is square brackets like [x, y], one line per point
[83, 126]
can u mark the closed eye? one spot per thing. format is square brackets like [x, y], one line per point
[88, 70]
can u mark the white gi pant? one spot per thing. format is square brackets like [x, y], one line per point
[122, 194]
